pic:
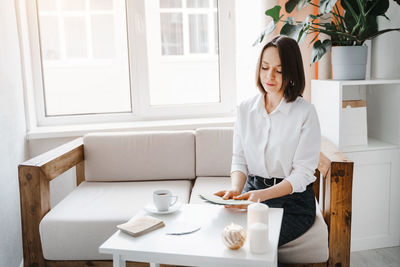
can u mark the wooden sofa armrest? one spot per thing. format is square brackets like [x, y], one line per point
[34, 183]
[336, 173]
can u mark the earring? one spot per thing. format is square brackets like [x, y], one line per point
[291, 83]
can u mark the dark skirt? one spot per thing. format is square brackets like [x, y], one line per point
[298, 208]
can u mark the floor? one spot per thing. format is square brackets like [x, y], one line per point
[382, 257]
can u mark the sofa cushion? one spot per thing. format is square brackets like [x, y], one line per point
[131, 156]
[311, 247]
[208, 185]
[214, 151]
[82, 221]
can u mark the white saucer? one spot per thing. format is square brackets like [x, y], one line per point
[150, 208]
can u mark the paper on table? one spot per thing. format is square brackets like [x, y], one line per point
[182, 228]
[218, 200]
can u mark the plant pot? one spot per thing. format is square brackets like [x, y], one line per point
[349, 62]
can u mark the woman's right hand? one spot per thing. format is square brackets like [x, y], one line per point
[227, 194]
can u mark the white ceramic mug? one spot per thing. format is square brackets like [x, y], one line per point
[163, 199]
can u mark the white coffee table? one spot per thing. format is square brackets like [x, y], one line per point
[201, 248]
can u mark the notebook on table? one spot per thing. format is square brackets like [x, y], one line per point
[141, 225]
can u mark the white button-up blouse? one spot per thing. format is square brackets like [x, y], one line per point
[284, 144]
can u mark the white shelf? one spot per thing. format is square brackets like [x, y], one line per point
[362, 82]
[376, 181]
[382, 109]
[373, 145]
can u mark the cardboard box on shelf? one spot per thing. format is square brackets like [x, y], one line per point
[354, 129]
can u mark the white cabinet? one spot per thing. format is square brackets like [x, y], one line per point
[375, 208]
[376, 183]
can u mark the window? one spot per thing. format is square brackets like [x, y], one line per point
[84, 57]
[117, 60]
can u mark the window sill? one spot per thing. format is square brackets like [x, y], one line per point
[166, 125]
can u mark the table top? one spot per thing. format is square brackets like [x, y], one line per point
[201, 248]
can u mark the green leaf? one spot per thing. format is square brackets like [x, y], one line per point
[371, 28]
[290, 5]
[274, 13]
[379, 7]
[289, 20]
[350, 4]
[319, 50]
[325, 6]
[350, 22]
[292, 31]
[302, 4]
[270, 28]
[315, 16]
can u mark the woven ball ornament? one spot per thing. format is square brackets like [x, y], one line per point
[233, 236]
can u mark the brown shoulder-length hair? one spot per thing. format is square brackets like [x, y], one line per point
[293, 80]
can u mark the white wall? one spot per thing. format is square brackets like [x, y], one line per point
[12, 136]
[385, 60]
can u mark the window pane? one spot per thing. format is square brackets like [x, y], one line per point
[170, 3]
[49, 37]
[84, 75]
[198, 32]
[197, 3]
[102, 30]
[47, 5]
[184, 82]
[73, 4]
[75, 37]
[184, 78]
[171, 33]
[101, 4]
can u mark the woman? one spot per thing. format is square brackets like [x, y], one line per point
[277, 141]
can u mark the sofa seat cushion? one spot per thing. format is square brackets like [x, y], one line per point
[311, 247]
[76, 227]
[208, 185]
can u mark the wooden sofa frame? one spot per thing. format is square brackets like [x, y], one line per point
[334, 171]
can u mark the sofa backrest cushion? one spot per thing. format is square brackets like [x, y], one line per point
[132, 156]
[214, 151]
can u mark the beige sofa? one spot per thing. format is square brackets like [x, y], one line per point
[117, 173]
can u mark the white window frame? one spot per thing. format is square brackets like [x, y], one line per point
[138, 52]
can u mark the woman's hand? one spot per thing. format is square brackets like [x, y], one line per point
[255, 196]
[227, 194]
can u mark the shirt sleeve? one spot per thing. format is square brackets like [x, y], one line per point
[306, 157]
[238, 159]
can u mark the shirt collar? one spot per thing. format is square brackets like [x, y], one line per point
[283, 106]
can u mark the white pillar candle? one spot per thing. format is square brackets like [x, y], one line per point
[257, 213]
[258, 238]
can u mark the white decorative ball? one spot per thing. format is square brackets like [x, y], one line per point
[233, 236]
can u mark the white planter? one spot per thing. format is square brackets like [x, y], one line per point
[349, 62]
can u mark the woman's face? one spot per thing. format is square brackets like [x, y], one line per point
[271, 71]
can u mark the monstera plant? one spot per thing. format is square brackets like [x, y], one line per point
[352, 22]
